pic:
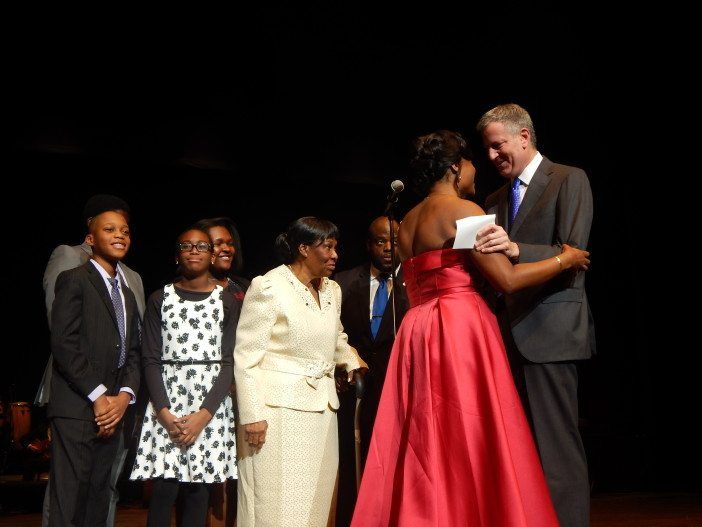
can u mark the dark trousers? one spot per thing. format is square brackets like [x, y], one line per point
[117, 466]
[196, 497]
[549, 394]
[80, 473]
[346, 499]
[346, 495]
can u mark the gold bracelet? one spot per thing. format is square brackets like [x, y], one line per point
[560, 264]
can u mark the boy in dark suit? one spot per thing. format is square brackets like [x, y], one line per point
[66, 257]
[95, 343]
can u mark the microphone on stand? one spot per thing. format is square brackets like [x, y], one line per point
[396, 187]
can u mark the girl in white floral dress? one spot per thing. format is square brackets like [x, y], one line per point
[188, 437]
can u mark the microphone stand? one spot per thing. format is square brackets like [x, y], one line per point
[391, 217]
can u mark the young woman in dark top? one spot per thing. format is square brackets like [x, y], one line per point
[228, 260]
[188, 437]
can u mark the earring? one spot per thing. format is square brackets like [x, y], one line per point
[177, 261]
[458, 178]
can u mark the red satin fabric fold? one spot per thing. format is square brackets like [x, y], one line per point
[451, 445]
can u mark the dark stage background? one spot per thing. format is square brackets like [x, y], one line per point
[273, 114]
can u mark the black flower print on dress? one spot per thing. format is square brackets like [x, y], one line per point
[210, 458]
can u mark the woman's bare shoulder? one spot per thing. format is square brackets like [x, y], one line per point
[455, 208]
[466, 208]
[413, 212]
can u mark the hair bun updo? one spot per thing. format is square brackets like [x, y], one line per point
[303, 231]
[283, 249]
[433, 154]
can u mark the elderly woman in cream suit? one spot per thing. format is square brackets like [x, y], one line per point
[288, 342]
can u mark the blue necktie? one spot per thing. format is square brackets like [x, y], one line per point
[119, 313]
[514, 201]
[379, 303]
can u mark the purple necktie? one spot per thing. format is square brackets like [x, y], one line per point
[514, 201]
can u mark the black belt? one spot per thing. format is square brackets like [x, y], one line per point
[187, 362]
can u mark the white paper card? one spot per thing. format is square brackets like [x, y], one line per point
[467, 230]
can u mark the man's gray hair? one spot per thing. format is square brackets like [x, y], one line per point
[512, 116]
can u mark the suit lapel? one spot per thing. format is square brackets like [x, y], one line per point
[129, 313]
[386, 322]
[131, 277]
[363, 299]
[99, 284]
[536, 187]
[503, 206]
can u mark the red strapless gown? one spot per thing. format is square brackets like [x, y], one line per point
[451, 445]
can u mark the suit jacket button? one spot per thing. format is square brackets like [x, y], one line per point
[116, 346]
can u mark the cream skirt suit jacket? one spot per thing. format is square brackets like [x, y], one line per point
[287, 347]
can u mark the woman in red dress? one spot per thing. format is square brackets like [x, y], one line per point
[451, 444]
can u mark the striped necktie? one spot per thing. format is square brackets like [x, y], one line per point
[119, 313]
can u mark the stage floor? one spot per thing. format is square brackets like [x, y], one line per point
[608, 510]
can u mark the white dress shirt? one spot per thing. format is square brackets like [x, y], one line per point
[527, 174]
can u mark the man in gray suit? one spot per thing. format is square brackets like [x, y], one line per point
[546, 328]
[66, 257]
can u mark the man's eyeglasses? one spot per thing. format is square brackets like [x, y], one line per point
[202, 247]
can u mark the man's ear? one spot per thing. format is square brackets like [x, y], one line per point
[89, 239]
[525, 137]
